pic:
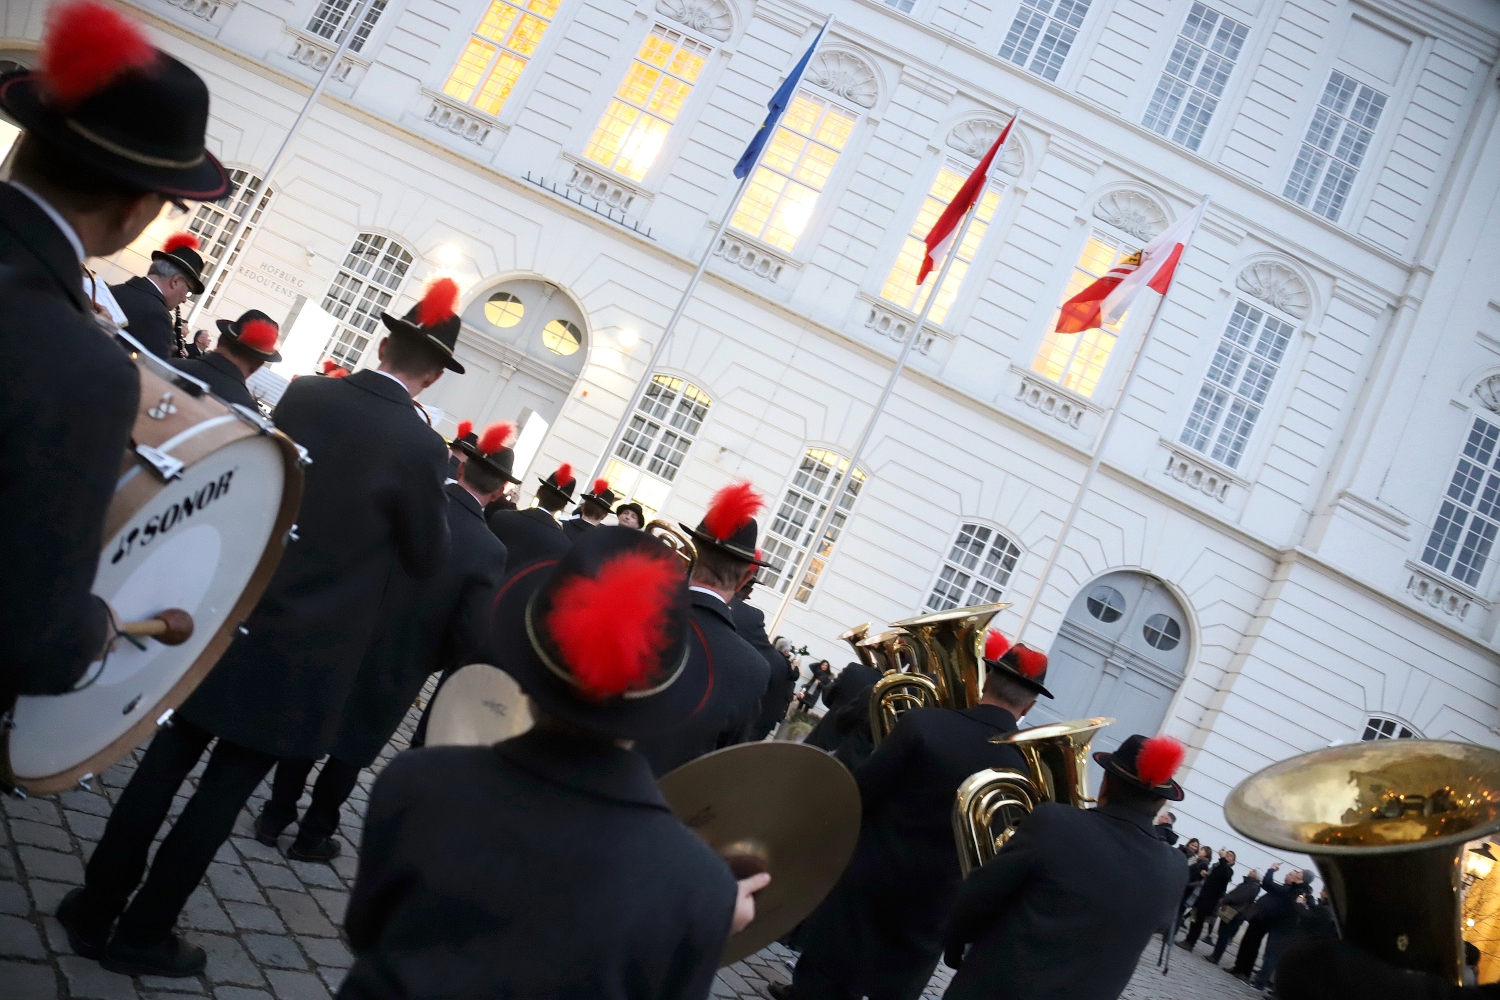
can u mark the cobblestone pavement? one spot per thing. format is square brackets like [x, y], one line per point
[273, 928]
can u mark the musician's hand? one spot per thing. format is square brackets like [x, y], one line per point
[744, 904]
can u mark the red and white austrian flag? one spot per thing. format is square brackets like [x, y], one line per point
[1107, 299]
[940, 240]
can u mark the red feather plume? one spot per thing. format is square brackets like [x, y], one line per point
[995, 644]
[611, 629]
[495, 437]
[179, 240]
[259, 335]
[341, 372]
[465, 428]
[600, 485]
[563, 476]
[731, 509]
[329, 365]
[89, 45]
[438, 302]
[1030, 663]
[1159, 759]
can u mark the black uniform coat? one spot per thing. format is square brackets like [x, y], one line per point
[880, 929]
[150, 319]
[528, 535]
[441, 623]
[372, 506]
[844, 729]
[573, 527]
[68, 399]
[737, 681]
[1213, 888]
[750, 625]
[542, 867]
[222, 375]
[1065, 909]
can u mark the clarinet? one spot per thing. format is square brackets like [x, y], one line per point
[179, 344]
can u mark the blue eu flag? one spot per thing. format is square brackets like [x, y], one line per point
[779, 101]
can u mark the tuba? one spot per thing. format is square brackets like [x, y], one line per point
[991, 802]
[1386, 823]
[853, 637]
[940, 660]
[676, 540]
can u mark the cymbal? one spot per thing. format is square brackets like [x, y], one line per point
[785, 808]
[477, 706]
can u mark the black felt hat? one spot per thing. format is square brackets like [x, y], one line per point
[490, 450]
[105, 95]
[561, 483]
[432, 322]
[255, 332]
[1146, 763]
[182, 249]
[1020, 663]
[639, 511]
[601, 494]
[598, 637]
[729, 525]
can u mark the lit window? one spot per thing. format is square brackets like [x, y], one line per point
[976, 571]
[1042, 33]
[1380, 727]
[1235, 388]
[1469, 518]
[901, 287]
[497, 52]
[562, 337]
[657, 441]
[1077, 360]
[331, 15]
[779, 201]
[789, 534]
[215, 221]
[360, 292]
[1337, 140]
[504, 310]
[1195, 77]
[657, 85]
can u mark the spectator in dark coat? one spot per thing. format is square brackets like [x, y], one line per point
[1256, 925]
[820, 682]
[844, 729]
[1239, 900]
[1209, 893]
[1190, 849]
[244, 346]
[1198, 867]
[1283, 910]
[1164, 829]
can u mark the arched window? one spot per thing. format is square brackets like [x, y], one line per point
[332, 14]
[1383, 727]
[656, 442]
[789, 534]
[977, 569]
[215, 222]
[364, 287]
[1468, 518]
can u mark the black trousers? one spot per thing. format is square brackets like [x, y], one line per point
[118, 862]
[334, 785]
[1201, 919]
[1244, 962]
[810, 983]
[1226, 935]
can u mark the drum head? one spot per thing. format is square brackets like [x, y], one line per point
[205, 542]
[477, 706]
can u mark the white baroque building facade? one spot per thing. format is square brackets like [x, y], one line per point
[1290, 541]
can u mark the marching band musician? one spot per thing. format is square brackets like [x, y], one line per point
[534, 533]
[879, 932]
[372, 501]
[150, 303]
[727, 560]
[437, 624]
[593, 508]
[549, 865]
[464, 434]
[113, 131]
[1066, 907]
[244, 345]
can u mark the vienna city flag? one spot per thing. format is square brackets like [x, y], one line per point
[1108, 298]
[940, 239]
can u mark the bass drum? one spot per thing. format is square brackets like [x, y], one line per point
[199, 519]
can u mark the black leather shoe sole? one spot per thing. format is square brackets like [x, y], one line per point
[324, 850]
[171, 959]
[83, 943]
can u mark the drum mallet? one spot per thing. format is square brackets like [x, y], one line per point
[171, 627]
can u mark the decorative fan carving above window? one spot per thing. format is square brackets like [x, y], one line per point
[976, 136]
[1488, 393]
[1132, 212]
[711, 17]
[1276, 285]
[846, 75]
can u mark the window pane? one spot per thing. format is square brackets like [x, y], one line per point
[976, 547]
[214, 223]
[365, 286]
[1337, 139]
[779, 201]
[1468, 520]
[901, 285]
[1077, 360]
[664, 426]
[789, 534]
[492, 61]
[1238, 380]
[1195, 76]
[634, 128]
[1042, 34]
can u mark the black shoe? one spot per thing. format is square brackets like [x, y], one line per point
[319, 850]
[1212, 958]
[264, 833]
[171, 957]
[87, 934]
[1184, 945]
[779, 991]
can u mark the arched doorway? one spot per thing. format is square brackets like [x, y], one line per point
[1122, 651]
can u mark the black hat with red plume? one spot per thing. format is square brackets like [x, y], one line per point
[561, 482]
[182, 249]
[1020, 663]
[491, 450]
[432, 322]
[255, 332]
[600, 494]
[1147, 763]
[598, 637]
[103, 94]
[729, 524]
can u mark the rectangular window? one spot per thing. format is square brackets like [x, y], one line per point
[1469, 518]
[1238, 380]
[1076, 360]
[904, 6]
[332, 13]
[1337, 140]
[497, 52]
[657, 85]
[901, 287]
[1042, 33]
[779, 201]
[790, 532]
[1195, 77]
